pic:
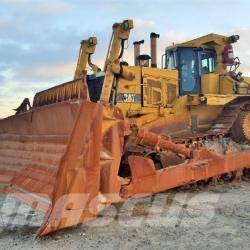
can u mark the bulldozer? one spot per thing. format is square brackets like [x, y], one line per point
[129, 131]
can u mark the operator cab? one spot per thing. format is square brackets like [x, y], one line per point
[191, 63]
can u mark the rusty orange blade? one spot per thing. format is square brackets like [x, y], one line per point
[49, 159]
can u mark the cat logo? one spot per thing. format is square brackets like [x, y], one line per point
[128, 98]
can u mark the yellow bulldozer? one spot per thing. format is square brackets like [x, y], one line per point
[128, 131]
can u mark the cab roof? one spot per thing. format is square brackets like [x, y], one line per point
[206, 41]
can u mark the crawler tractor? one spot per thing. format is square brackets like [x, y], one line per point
[129, 131]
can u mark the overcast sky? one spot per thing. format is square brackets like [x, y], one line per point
[39, 39]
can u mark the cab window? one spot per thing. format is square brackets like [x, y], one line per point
[207, 62]
[188, 71]
[170, 60]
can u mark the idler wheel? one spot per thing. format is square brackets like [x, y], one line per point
[241, 128]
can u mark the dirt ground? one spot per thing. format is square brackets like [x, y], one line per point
[215, 217]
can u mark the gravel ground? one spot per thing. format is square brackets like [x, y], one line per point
[215, 217]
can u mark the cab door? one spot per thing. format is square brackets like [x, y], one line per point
[189, 76]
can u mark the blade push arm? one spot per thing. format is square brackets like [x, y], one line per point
[86, 50]
[112, 65]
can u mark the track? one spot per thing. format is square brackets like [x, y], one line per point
[223, 125]
[229, 134]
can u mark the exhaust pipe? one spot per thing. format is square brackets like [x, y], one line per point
[153, 47]
[137, 51]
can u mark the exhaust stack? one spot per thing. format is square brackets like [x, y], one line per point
[153, 47]
[137, 51]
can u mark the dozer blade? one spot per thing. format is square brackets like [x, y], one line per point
[50, 160]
